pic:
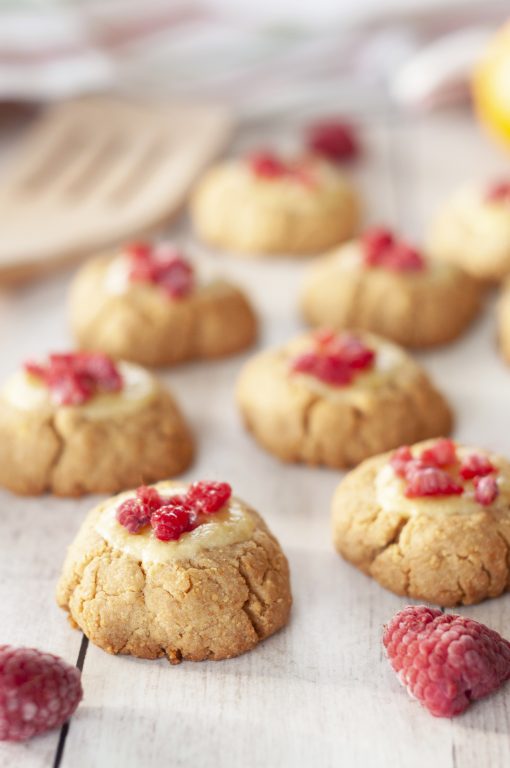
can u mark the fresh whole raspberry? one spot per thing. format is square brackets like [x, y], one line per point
[335, 140]
[476, 465]
[38, 691]
[174, 518]
[150, 497]
[431, 481]
[442, 453]
[208, 496]
[134, 515]
[486, 490]
[445, 661]
[400, 460]
[499, 192]
[267, 165]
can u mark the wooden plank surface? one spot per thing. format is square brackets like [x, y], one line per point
[320, 692]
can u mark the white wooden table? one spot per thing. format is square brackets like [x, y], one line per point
[320, 692]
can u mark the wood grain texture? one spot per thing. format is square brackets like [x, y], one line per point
[320, 692]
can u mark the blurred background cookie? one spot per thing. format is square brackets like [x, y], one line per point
[334, 400]
[472, 230]
[267, 204]
[430, 522]
[175, 570]
[381, 283]
[148, 304]
[80, 423]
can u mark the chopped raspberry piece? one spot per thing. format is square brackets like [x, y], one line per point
[476, 465]
[174, 518]
[486, 490]
[76, 377]
[382, 249]
[139, 250]
[267, 165]
[431, 481]
[334, 139]
[445, 661]
[334, 359]
[150, 497]
[134, 515]
[162, 265]
[442, 454]
[499, 192]
[400, 460]
[38, 692]
[209, 497]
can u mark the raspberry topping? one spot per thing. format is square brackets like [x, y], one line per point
[76, 377]
[445, 661]
[335, 360]
[499, 192]
[209, 497]
[426, 475]
[486, 490]
[382, 249]
[333, 139]
[171, 517]
[268, 165]
[38, 691]
[161, 265]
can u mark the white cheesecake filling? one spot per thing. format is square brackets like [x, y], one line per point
[231, 526]
[27, 393]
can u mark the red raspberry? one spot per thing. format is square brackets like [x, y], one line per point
[100, 368]
[375, 242]
[334, 139]
[176, 276]
[208, 496]
[327, 368]
[134, 515]
[38, 691]
[476, 465]
[486, 490]
[499, 192]
[442, 454]
[173, 519]
[353, 352]
[76, 377]
[430, 481]
[267, 165]
[165, 266]
[400, 460]
[140, 250]
[150, 497]
[445, 661]
[403, 258]
[335, 359]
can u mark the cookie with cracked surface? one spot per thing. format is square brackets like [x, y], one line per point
[337, 399]
[199, 577]
[380, 283]
[472, 230]
[265, 205]
[431, 522]
[81, 424]
[148, 305]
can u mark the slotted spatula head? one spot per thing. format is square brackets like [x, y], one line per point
[96, 171]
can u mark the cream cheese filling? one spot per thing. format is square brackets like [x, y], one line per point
[232, 526]
[391, 498]
[27, 393]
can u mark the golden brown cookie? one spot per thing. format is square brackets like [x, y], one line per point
[472, 230]
[59, 439]
[212, 592]
[264, 205]
[334, 400]
[154, 310]
[448, 547]
[390, 289]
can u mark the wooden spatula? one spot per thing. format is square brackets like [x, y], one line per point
[96, 171]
